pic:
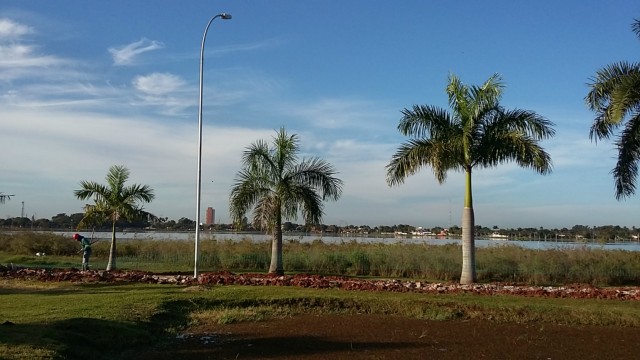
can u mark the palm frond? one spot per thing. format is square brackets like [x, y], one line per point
[285, 150]
[266, 212]
[521, 121]
[311, 205]
[115, 200]
[424, 121]
[277, 186]
[318, 175]
[485, 97]
[248, 187]
[458, 94]
[604, 83]
[601, 128]
[635, 27]
[513, 135]
[625, 172]
[417, 153]
[625, 98]
[117, 177]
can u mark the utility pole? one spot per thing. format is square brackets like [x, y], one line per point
[22, 213]
[449, 213]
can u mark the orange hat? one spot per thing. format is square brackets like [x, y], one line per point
[76, 236]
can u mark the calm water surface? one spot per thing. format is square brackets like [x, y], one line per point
[480, 242]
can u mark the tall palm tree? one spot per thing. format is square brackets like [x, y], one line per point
[477, 132]
[114, 201]
[277, 186]
[615, 97]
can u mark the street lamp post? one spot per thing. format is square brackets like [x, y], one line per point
[223, 16]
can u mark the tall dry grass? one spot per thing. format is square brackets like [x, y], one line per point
[349, 258]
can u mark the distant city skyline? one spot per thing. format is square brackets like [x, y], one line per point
[84, 87]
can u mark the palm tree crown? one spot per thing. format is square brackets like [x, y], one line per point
[114, 201]
[478, 132]
[615, 97]
[278, 187]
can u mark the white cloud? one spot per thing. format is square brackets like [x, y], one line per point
[126, 55]
[158, 83]
[75, 146]
[20, 60]
[264, 44]
[10, 29]
[166, 92]
[338, 113]
[23, 56]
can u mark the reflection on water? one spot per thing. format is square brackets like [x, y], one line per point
[207, 235]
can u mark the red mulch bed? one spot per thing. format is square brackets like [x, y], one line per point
[576, 291]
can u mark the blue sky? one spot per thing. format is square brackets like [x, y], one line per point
[86, 85]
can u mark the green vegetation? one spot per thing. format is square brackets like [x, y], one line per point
[104, 321]
[108, 321]
[278, 187]
[398, 260]
[476, 133]
[113, 201]
[615, 98]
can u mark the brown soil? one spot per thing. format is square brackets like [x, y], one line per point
[377, 336]
[390, 337]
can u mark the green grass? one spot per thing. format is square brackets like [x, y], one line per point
[112, 321]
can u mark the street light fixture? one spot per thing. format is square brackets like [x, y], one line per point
[223, 16]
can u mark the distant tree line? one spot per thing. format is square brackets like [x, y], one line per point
[64, 222]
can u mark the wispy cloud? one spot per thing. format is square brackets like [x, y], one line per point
[265, 44]
[158, 83]
[339, 113]
[127, 54]
[17, 58]
[167, 92]
[12, 30]
[24, 56]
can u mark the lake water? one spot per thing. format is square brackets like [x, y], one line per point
[480, 242]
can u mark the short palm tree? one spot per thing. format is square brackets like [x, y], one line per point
[615, 97]
[278, 187]
[478, 132]
[114, 201]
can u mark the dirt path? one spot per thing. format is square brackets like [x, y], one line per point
[390, 337]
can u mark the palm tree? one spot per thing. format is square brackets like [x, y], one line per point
[615, 97]
[477, 133]
[114, 201]
[277, 186]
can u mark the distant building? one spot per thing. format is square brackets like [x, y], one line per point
[211, 216]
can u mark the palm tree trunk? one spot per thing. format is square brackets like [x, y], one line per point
[468, 275]
[111, 265]
[276, 248]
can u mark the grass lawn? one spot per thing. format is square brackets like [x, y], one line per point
[107, 321]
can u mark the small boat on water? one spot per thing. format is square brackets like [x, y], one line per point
[495, 235]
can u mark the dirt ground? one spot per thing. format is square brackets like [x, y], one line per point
[391, 337]
[356, 337]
